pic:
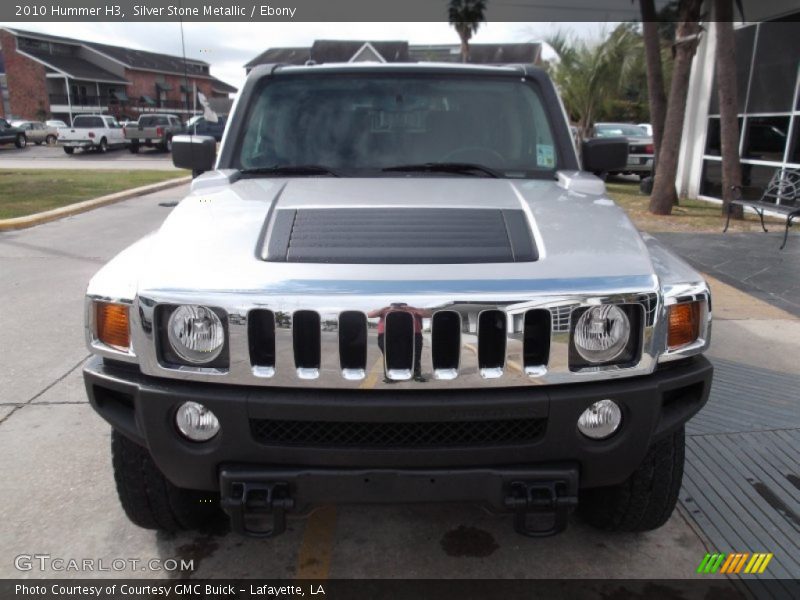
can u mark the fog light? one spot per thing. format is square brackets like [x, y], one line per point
[600, 420]
[196, 422]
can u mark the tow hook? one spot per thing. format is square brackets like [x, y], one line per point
[246, 502]
[529, 500]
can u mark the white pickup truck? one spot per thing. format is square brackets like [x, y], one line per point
[92, 132]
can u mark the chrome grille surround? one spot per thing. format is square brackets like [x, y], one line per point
[468, 305]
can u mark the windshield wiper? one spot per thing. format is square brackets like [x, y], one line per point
[290, 170]
[446, 167]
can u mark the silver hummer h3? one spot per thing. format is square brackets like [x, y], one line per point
[397, 283]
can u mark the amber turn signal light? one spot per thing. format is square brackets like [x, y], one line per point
[684, 324]
[112, 325]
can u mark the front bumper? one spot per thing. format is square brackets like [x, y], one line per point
[143, 408]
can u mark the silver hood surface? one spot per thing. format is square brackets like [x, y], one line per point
[214, 239]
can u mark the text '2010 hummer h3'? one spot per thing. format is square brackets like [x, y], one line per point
[397, 283]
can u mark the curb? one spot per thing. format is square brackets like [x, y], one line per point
[87, 205]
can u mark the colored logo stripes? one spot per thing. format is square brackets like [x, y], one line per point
[735, 562]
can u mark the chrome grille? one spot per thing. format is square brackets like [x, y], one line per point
[351, 341]
[396, 434]
[400, 340]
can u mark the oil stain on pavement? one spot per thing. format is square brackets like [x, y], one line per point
[468, 542]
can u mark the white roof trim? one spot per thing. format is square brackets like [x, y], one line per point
[367, 47]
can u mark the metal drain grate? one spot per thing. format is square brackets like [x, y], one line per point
[397, 434]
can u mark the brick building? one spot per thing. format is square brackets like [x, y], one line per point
[45, 76]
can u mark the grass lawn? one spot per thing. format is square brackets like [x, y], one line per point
[690, 216]
[27, 191]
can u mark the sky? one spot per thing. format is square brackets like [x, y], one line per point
[228, 46]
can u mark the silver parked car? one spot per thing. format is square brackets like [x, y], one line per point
[397, 283]
[56, 124]
[37, 132]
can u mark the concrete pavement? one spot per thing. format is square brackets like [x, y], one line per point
[59, 495]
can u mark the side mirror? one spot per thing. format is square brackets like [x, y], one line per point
[194, 152]
[601, 155]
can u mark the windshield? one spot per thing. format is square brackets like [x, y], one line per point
[360, 125]
[619, 129]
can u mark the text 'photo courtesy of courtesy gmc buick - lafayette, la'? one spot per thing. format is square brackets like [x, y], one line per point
[395, 284]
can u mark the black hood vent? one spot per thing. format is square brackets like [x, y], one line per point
[399, 235]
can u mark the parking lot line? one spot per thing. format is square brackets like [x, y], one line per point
[314, 558]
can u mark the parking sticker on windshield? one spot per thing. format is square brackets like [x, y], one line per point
[545, 157]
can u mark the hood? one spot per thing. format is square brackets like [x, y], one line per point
[238, 237]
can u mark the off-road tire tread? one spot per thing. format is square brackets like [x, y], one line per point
[646, 499]
[148, 498]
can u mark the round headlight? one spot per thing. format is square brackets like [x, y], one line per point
[602, 333]
[196, 422]
[195, 333]
[600, 420]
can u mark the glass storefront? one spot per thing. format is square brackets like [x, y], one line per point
[768, 79]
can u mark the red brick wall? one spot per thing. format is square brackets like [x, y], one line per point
[27, 88]
[143, 83]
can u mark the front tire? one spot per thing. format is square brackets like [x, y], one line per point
[51, 140]
[69, 149]
[646, 499]
[133, 148]
[21, 141]
[150, 500]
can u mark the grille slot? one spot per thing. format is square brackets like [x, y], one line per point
[353, 344]
[367, 434]
[306, 342]
[398, 350]
[536, 342]
[261, 340]
[491, 343]
[446, 344]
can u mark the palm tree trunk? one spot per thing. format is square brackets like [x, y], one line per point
[664, 194]
[464, 50]
[655, 74]
[728, 106]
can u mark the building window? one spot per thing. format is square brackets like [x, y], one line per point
[775, 68]
[794, 149]
[769, 106]
[765, 138]
[4, 95]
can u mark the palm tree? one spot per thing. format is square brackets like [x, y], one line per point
[655, 73]
[588, 75]
[728, 105]
[466, 16]
[687, 34]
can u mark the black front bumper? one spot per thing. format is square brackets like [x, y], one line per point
[143, 409]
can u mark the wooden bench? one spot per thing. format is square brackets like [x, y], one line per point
[782, 195]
